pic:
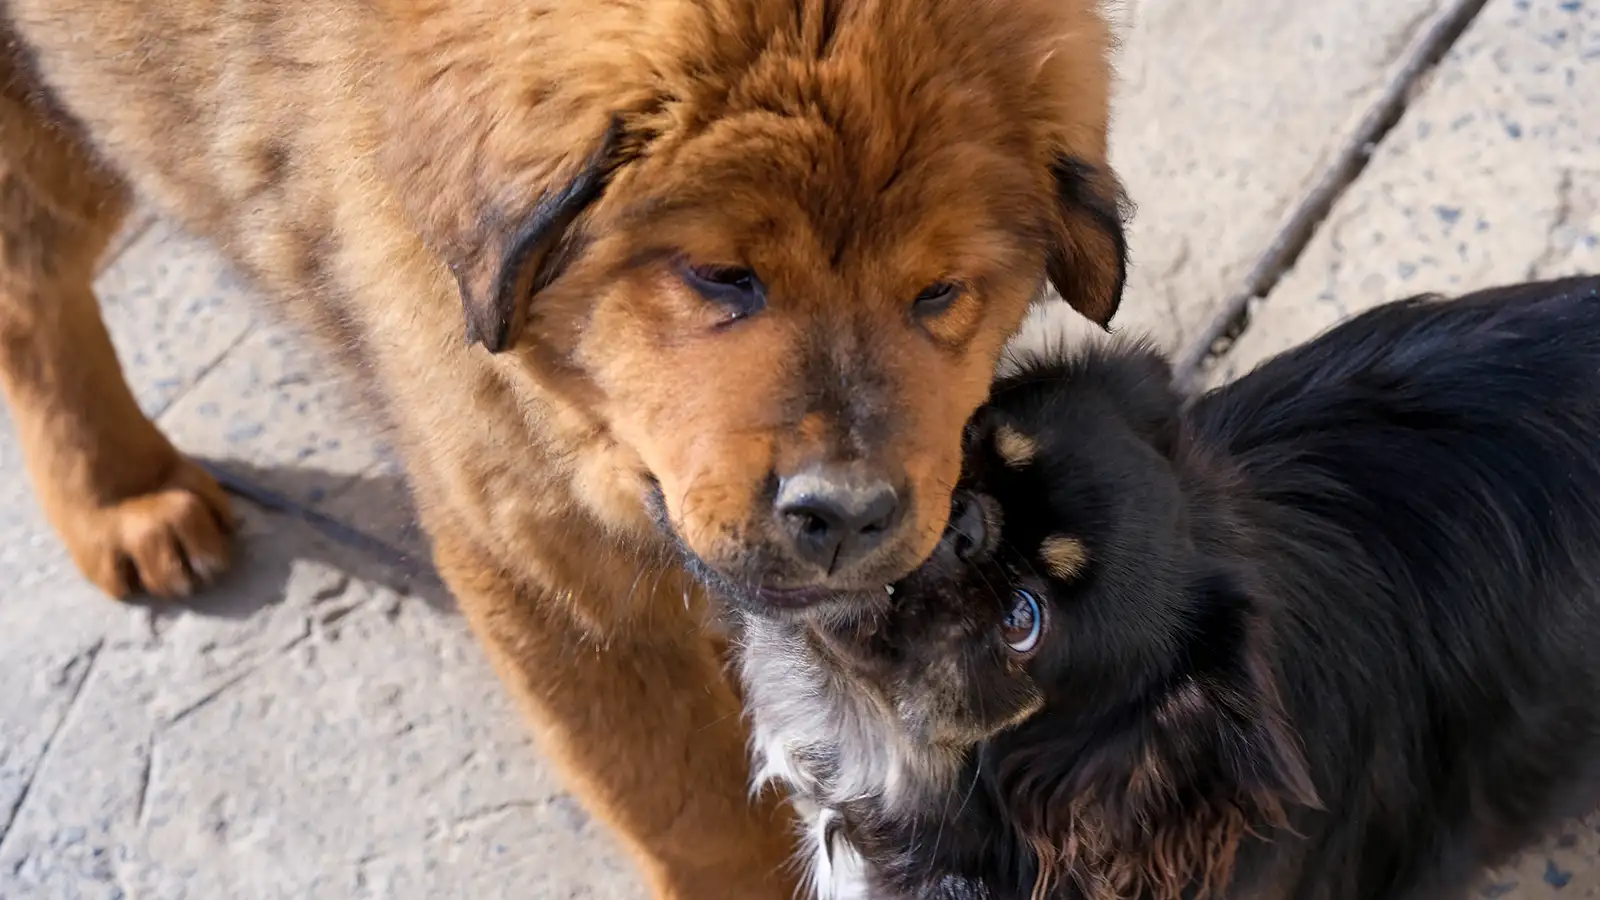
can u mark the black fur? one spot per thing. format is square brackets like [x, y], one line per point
[1336, 635]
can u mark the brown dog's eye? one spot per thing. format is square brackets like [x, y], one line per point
[936, 298]
[735, 288]
[1023, 624]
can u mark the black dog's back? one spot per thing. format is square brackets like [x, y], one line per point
[1414, 498]
[1329, 633]
[1424, 487]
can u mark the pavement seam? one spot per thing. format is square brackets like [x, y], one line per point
[141, 815]
[15, 813]
[1560, 221]
[250, 668]
[1303, 224]
[200, 376]
[143, 221]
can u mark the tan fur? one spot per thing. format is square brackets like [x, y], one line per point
[1063, 556]
[369, 163]
[1161, 861]
[1150, 842]
[1016, 448]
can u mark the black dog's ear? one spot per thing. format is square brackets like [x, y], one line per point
[507, 267]
[1159, 804]
[1088, 261]
[1225, 721]
[1139, 381]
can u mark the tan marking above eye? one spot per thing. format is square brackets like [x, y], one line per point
[1063, 556]
[1016, 448]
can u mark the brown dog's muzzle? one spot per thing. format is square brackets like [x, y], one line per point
[834, 515]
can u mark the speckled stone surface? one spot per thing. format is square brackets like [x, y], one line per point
[1226, 111]
[236, 387]
[1492, 176]
[173, 312]
[320, 724]
[300, 434]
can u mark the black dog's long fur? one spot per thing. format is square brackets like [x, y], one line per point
[1335, 634]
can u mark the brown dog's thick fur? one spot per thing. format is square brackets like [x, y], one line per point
[488, 207]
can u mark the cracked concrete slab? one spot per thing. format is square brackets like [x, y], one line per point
[1491, 176]
[297, 432]
[245, 392]
[317, 726]
[172, 315]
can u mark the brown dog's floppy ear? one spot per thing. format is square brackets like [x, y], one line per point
[505, 269]
[1088, 261]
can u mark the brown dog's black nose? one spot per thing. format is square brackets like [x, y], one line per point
[833, 516]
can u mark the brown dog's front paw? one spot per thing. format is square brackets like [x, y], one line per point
[167, 542]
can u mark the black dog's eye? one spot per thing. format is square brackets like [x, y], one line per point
[936, 298]
[1024, 622]
[735, 288]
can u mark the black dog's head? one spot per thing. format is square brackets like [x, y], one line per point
[1077, 647]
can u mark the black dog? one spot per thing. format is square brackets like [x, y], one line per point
[1331, 633]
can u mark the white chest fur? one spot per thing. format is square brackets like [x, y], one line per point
[830, 744]
[834, 870]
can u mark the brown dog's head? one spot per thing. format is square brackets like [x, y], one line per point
[780, 249]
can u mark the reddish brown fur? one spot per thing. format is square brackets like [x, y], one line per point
[372, 165]
[1157, 861]
[1135, 844]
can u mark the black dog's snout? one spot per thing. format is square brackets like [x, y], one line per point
[834, 519]
[970, 533]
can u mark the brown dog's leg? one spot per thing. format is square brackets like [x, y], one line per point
[132, 511]
[645, 725]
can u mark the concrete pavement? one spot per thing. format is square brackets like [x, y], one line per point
[321, 725]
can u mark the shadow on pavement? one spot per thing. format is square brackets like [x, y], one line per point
[267, 549]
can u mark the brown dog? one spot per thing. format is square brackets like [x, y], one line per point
[740, 266]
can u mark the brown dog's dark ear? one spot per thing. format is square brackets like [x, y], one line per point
[1088, 261]
[507, 267]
